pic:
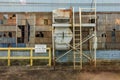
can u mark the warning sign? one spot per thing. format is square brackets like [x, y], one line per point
[40, 48]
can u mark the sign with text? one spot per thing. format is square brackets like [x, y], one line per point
[40, 48]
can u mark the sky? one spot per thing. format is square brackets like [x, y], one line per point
[22, 7]
[64, 1]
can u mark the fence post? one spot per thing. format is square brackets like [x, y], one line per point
[31, 55]
[8, 56]
[49, 52]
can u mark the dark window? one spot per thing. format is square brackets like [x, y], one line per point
[92, 20]
[40, 34]
[10, 34]
[21, 39]
[113, 36]
[46, 21]
[13, 15]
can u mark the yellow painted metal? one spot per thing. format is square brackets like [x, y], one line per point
[19, 48]
[21, 57]
[8, 56]
[41, 58]
[31, 57]
[49, 57]
[3, 57]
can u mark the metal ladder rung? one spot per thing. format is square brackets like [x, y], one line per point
[77, 39]
[77, 61]
[77, 30]
[88, 16]
[78, 58]
[77, 26]
[77, 35]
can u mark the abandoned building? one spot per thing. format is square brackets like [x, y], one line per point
[73, 34]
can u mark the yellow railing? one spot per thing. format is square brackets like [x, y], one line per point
[31, 57]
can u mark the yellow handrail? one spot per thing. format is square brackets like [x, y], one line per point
[31, 57]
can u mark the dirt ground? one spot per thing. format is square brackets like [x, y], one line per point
[37, 73]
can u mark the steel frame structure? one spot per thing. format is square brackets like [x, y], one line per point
[76, 48]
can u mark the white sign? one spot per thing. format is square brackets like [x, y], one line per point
[41, 48]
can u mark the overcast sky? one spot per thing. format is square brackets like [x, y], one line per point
[65, 1]
[37, 7]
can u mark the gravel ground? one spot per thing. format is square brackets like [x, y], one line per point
[37, 73]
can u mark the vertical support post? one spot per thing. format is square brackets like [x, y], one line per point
[90, 43]
[49, 52]
[16, 28]
[80, 38]
[95, 46]
[34, 27]
[31, 57]
[73, 24]
[53, 48]
[95, 37]
[8, 56]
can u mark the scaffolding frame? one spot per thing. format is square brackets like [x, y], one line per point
[77, 48]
